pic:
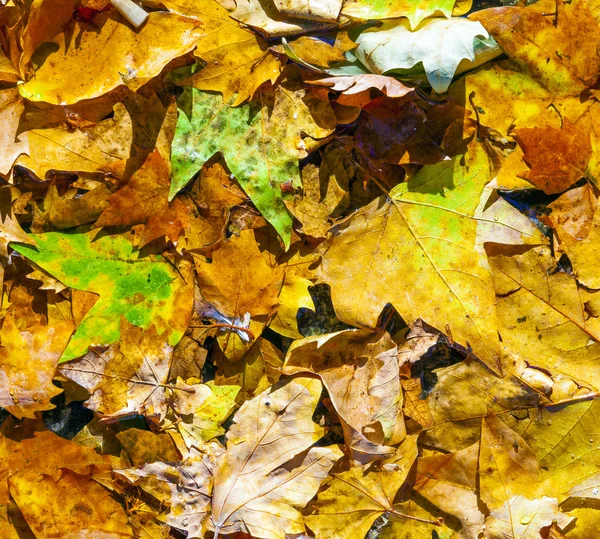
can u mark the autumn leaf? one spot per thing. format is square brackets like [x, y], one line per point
[440, 45]
[414, 10]
[361, 373]
[269, 159]
[266, 18]
[521, 518]
[28, 360]
[127, 58]
[562, 57]
[237, 61]
[558, 158]
[352, 500]
[145, 291]
[417, 232]
[128, 378]
[249, 478]
[143, 200]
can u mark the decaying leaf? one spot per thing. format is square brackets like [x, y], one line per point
[361, 373]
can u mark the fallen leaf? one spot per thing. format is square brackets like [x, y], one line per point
[441, 45]
[237, 61]
[126, 58]
[60, 213]
[145, 291]
[100, 148]
[238, 280]
[360, 371]
[558, 158]
[449, 481]
[13, 144]
[351, 501]
[542, 315]
[264, 163]
[417, 232]
[265, 17]
[28, 361]
[562, 57]
[414, 10]
[260, 489]
[144, 200]
[507, 466]
[521, 518]
[128, 378]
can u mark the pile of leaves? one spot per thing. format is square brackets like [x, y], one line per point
[277, 269]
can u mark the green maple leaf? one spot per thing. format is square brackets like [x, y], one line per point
[145, 290]
[261, 142]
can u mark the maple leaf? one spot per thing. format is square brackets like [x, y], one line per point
[268, 462]
[60, 213]
[417, 232]
[360, 371]
[28, 362]
[100, 147]
[351, 501]
[52, 482]
[266, 18]
[11, 144]
[440, 45]
[566, 342]
[558, 158]
[564, 58]
[237, 61]
[521, 518]
[128, 378]
[126, 58]
[414, 10]
[143, 200]
[145, 291]
[268, 155]
[449, 481]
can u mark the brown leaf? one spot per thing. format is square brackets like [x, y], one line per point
[126, 378]
[359, 368]
[557, 157]
[144, 200]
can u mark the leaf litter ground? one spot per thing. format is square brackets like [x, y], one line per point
[289, 269]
